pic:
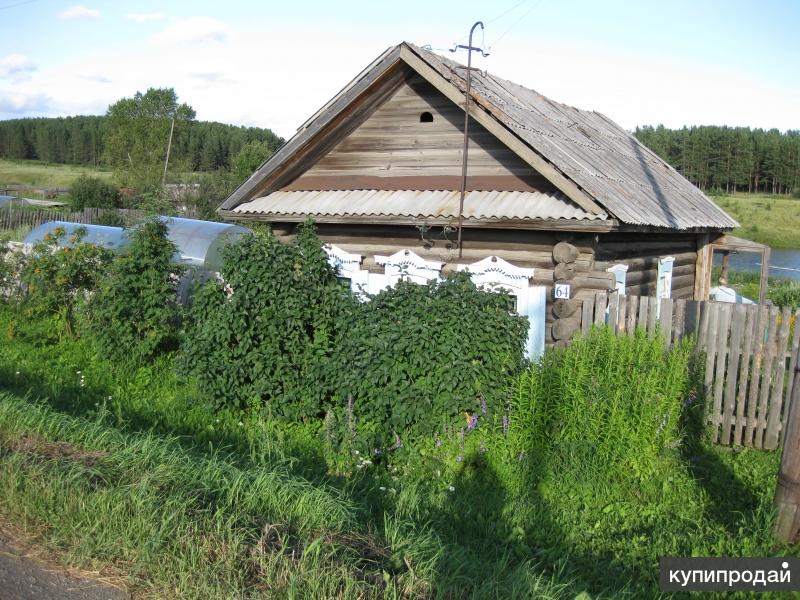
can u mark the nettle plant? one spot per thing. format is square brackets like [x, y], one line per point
[419, 357]
[135, 313]
[263, 331]
[55, 278]
[278, 330]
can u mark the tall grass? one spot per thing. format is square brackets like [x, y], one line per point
[613, 402]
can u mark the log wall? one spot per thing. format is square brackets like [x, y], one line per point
[641, 252]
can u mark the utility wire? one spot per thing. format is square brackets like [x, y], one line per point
[17, 4]
[514, 24]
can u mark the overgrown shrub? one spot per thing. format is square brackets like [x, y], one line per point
[134, 313]
[93, 192]
[55, 278]
[417, 357]
[279, 331]
[609, 401]
[262, 333]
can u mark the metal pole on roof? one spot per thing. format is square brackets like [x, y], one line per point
[469, 48]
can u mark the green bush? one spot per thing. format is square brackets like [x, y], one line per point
[417, 358]
[263, 331]
[279, 331]
[612, 402]
[134, 313]
[93, 192]
[55, 277]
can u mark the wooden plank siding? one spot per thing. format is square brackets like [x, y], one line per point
[393, 149]
[747, 352]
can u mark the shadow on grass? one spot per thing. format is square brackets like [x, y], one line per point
[729, 498]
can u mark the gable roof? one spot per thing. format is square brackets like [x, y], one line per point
[598, 166]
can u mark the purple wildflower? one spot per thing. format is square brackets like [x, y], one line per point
[438, 442]
[473, 422]
[483, 406]
[505, 424]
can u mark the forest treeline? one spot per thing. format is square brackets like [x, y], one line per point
[198, 145]
[726, 159]
[730, 159]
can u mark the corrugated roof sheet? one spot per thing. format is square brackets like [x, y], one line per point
[418, 204]
[622, 174]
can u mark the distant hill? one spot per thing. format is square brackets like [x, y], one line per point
[206, 146]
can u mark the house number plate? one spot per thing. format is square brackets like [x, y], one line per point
[562, 291]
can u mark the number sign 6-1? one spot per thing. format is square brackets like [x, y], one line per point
[562, 291]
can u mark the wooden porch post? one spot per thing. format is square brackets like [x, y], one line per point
[787, 494]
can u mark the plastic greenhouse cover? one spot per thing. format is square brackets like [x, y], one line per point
[113, 238]
[199, 243]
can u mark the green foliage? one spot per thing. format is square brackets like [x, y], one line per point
[606, 400]
[729, 159]
[138, 131]
[134, 313]
[782, 291]
[58, 274]
[282, 330]
[417, 357]
[212, 189]
[250, 157]
[93, 192]
[166, 483]
[264, 331]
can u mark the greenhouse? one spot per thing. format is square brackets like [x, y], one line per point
[199, 243]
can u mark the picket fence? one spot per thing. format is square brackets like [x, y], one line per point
[14, 217]
[751, 351]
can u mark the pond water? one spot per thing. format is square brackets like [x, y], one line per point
[782, 263]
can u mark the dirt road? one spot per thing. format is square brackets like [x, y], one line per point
[24, 577]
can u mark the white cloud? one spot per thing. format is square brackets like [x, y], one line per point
[145, 17]
[22, 104]
[79, 11]
[193, 31]
[16, 67]
[277, 76]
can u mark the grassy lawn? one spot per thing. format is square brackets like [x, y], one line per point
[768, 219]
[183, 500]
[33, 172]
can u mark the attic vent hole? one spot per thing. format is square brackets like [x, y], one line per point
[426, 117]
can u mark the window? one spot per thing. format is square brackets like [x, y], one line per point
[348, 269]
[664, 283]
[407, 266]
[494, 274]
[620, 272]
[426, 117]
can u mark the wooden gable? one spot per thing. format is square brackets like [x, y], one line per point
[414, 141]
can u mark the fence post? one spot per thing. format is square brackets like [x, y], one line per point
[787, 494]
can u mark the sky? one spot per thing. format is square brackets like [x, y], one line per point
[273, 64]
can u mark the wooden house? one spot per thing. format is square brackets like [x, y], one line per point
[553, 195]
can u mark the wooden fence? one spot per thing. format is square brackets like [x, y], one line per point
[12, 217]
[750, 350]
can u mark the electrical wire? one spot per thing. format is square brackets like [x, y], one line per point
[514, 24]
[17, 4]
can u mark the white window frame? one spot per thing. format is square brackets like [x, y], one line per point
[405, 265]
[664, 281]
[348, 266]
[620, 273]
[494, 274]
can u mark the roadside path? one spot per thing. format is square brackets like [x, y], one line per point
[23, 577]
